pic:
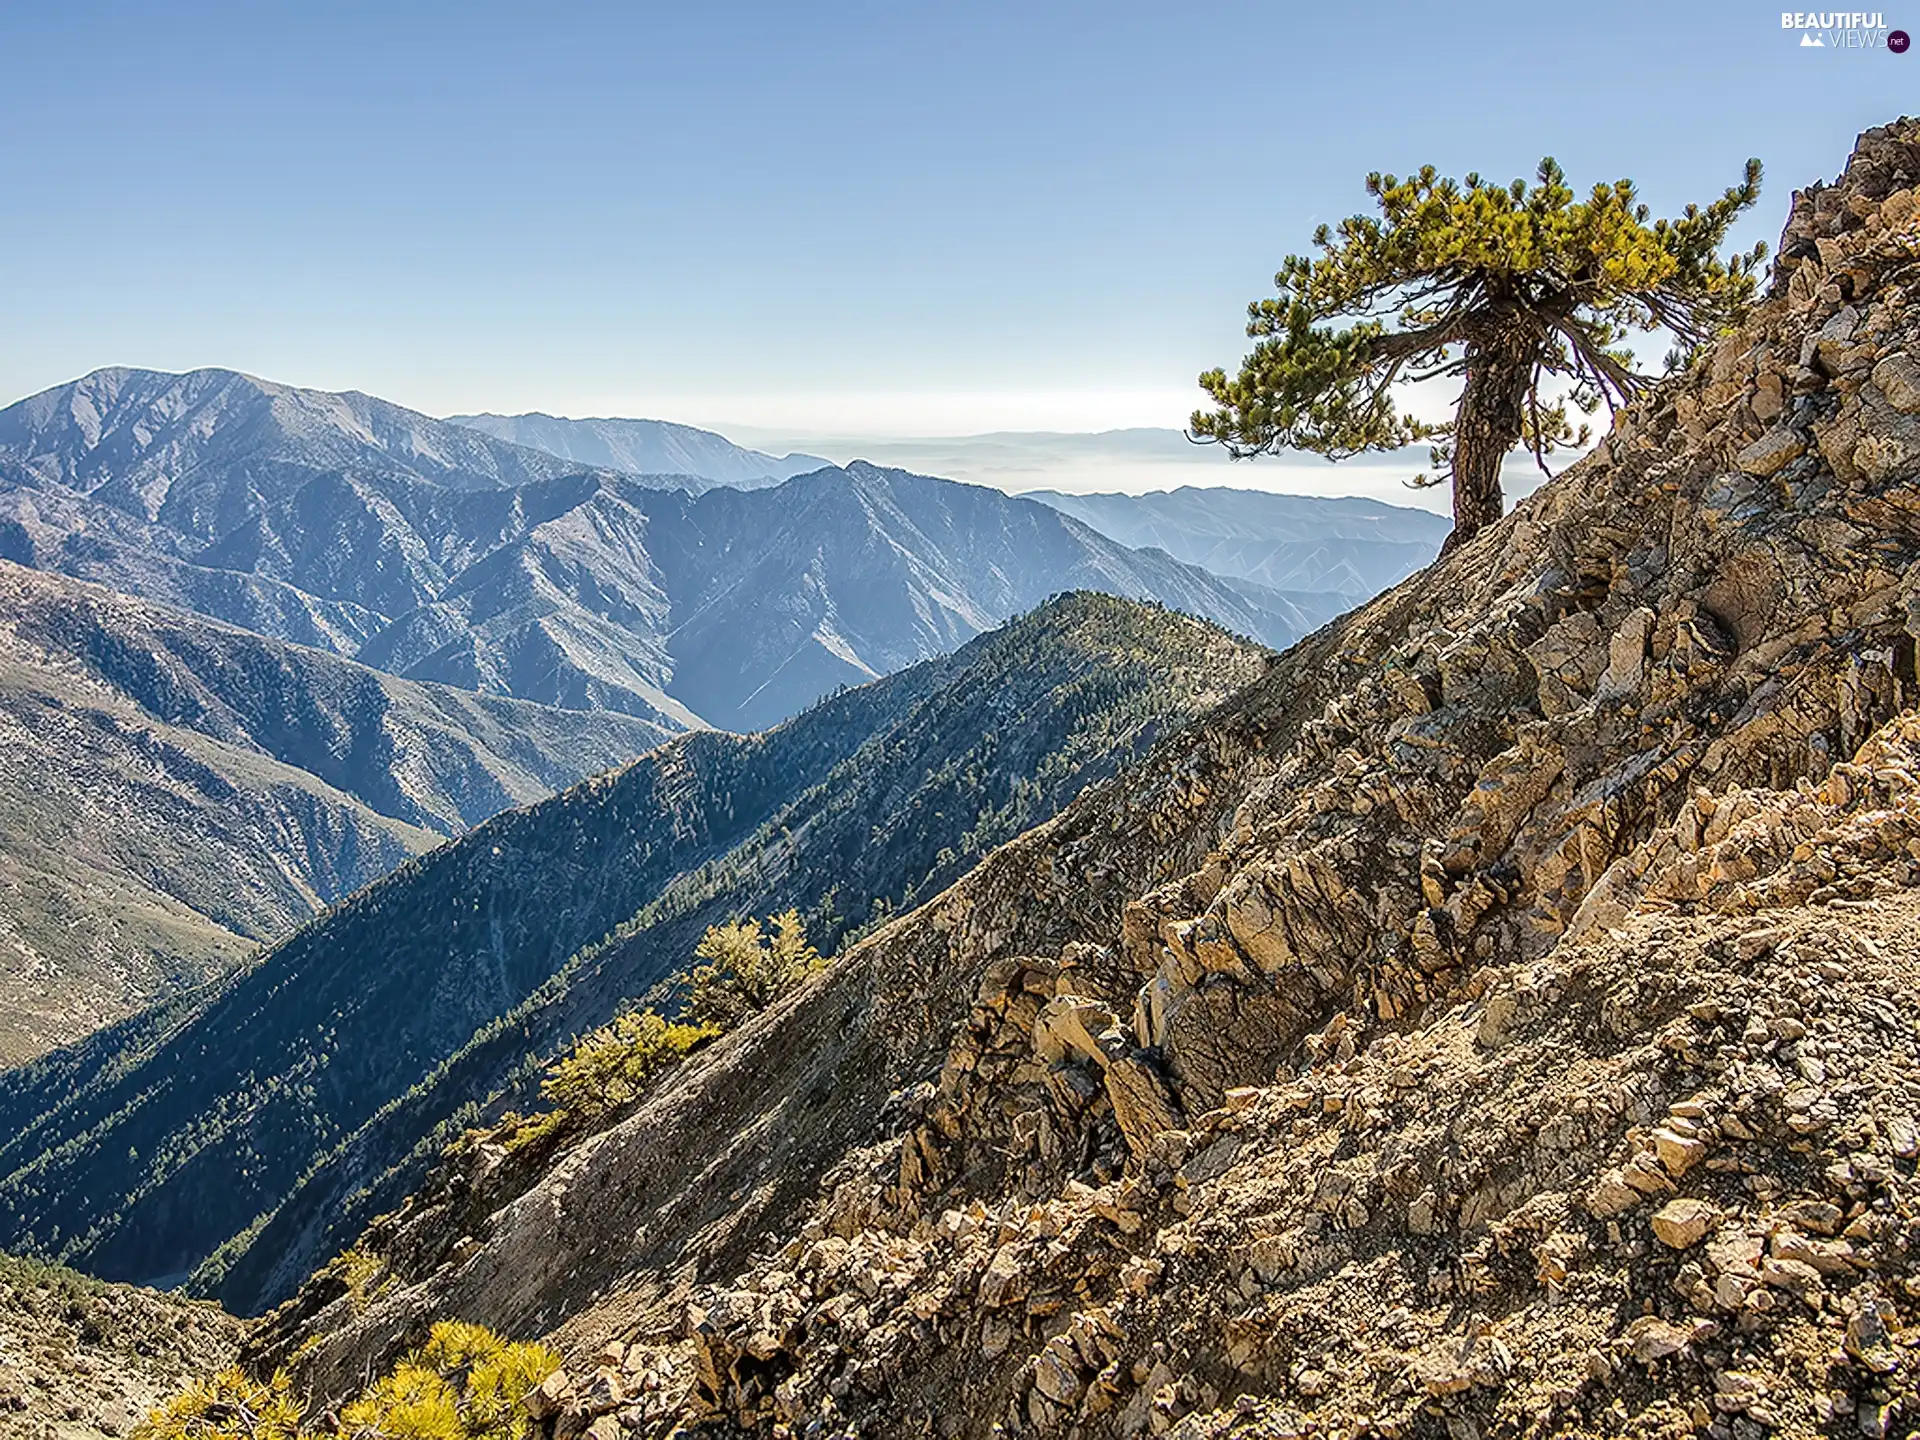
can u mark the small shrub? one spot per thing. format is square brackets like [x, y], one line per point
[523, 1133]
[465, 1383]
[613, 1066]
[745, 972]
[227, 1406]
[364, 1274]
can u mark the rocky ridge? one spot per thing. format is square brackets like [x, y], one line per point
[1496, 1021]
[83, 1360]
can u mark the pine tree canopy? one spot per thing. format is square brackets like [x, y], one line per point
[1506, 286]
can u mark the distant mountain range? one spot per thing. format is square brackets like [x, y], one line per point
[175, 792]
[1348, 547]
[1136, 460]
[269, 1119]
[411, 624]
[646, 447]
[436, 552]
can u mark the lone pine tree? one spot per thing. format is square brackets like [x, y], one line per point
[1504, 285]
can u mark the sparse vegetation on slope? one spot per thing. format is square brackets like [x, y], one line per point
[740, 973]
[604, 1072]
[83, 1360]
[464, 1383]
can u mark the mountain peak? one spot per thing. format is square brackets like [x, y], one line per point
[644, 447]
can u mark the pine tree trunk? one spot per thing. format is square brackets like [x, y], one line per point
[1491, 416]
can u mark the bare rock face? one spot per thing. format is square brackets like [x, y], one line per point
[1499, 1020]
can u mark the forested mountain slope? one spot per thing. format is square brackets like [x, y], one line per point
[141, 1151]
[175, 793]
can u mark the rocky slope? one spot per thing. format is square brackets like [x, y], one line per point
[175, 793]
[306, 1094]
[433, 551]
[1498, 1020]
[646, 447]
[83, 1360]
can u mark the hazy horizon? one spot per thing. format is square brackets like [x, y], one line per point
[845, 220]
[1132, 460]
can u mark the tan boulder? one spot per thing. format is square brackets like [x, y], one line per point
[1142, 1105]
[1898, 378]
[1771, 453]
[1685, 1222]
[1070, 1027]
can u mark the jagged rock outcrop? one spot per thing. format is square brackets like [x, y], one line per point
[1498, 1020]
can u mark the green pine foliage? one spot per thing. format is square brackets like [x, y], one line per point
[743, 970]
[465, 1383]
[364, 1274]
[230, 1405]
[614, 1065]
[606, 1071]
[1503, 286]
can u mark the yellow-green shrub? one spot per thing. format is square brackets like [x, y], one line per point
[465, 1383]
[362, 1271]
[612, 1066]
[227, 1406]
[745, 971]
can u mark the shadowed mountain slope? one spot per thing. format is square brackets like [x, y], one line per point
[175, 792]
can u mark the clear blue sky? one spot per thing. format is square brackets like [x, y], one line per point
[892, 217]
